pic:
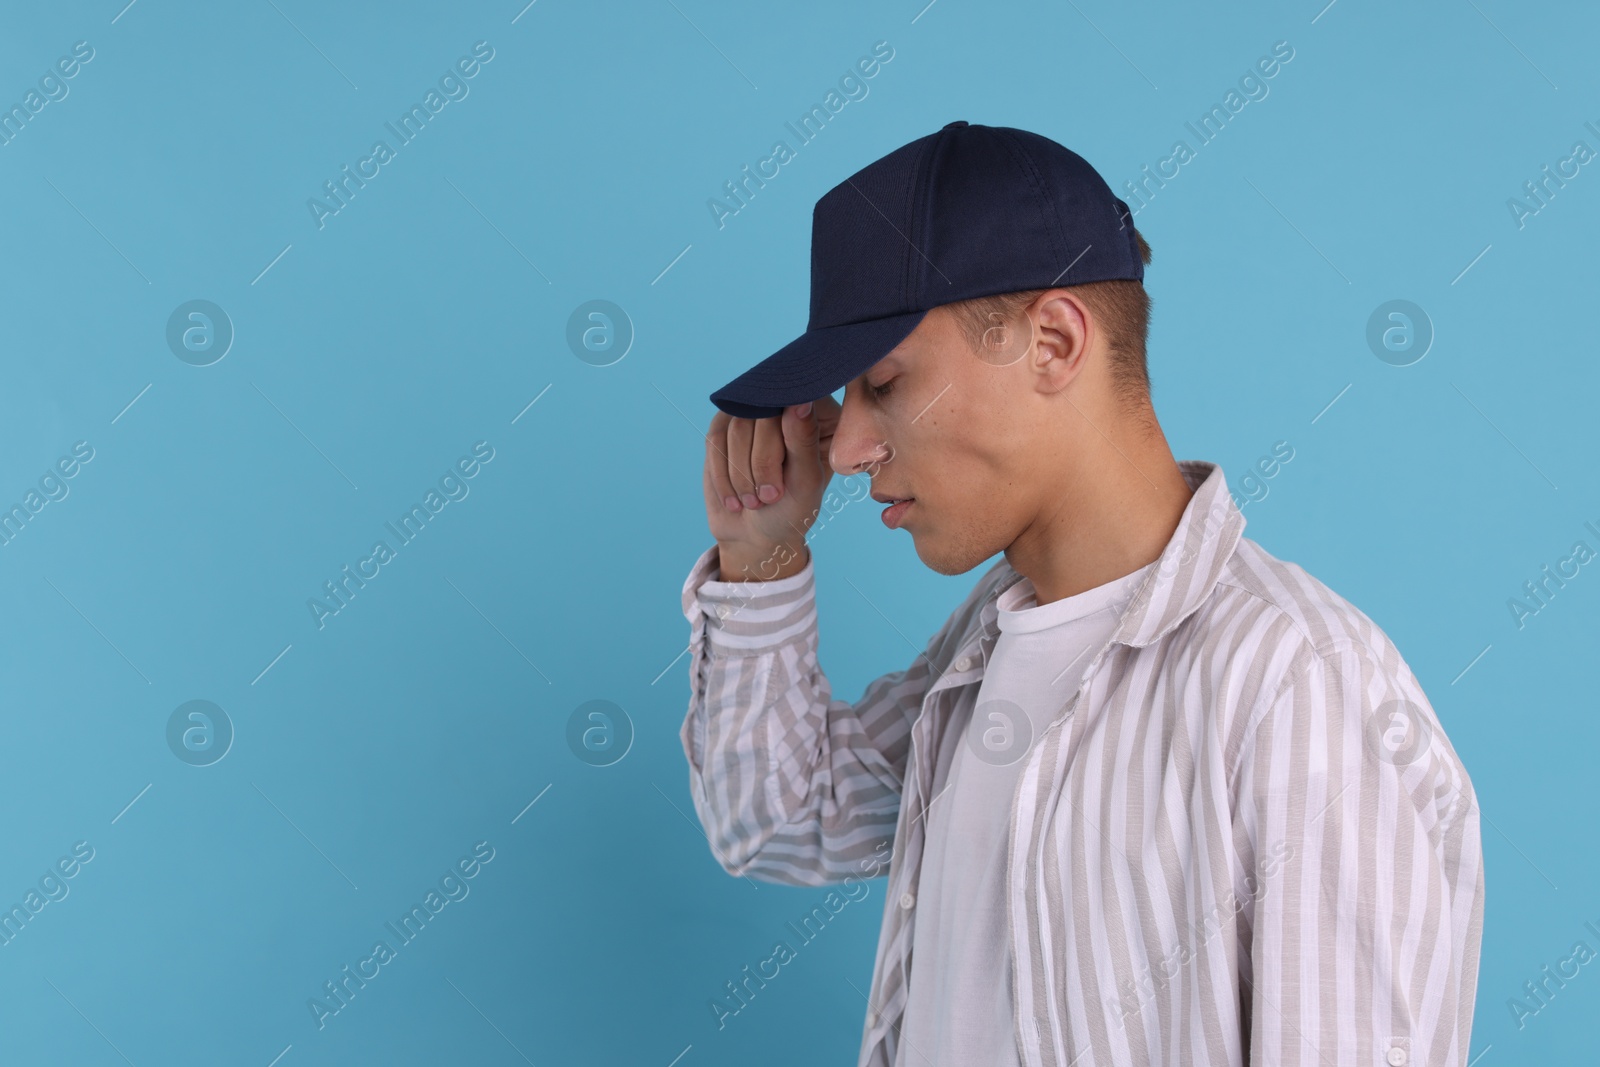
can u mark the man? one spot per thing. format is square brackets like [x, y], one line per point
[1152, 796]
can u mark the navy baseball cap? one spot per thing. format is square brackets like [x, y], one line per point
[966, 212]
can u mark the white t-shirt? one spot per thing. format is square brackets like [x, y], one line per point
[959, 999]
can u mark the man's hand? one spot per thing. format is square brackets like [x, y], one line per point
[774, 471]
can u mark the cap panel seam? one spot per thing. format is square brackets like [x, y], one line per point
[917, 228]
[1043, 203]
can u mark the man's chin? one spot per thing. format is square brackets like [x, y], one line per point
[942, 559]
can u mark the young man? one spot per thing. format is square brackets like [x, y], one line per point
[1150, 795]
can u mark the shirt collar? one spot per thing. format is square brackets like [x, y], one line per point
[1184, 574]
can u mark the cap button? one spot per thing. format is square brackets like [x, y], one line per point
[954, 125]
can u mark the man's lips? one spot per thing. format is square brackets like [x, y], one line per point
[894, 514]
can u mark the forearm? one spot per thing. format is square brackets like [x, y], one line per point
[785, 780]
[790, 784]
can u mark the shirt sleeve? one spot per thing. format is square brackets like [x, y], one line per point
[1366, 897]
[791, 785]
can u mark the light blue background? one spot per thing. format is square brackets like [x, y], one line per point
[424, 718]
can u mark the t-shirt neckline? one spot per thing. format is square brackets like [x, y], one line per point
[1017, 612]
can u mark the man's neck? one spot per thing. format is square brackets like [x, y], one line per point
[1115, 513]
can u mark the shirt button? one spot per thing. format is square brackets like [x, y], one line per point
[963, 663]
[1397, 1057]
[906, 900]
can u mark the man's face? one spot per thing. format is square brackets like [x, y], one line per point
[936, 422]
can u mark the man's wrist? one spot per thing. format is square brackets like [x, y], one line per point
[744, 563]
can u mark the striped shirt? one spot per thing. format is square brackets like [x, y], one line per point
[1244, 839]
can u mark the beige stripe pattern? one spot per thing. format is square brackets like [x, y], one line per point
[1245, 838]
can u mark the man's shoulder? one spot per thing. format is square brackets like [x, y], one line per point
[1282, 621]
[1340, 676]
[1286, 606]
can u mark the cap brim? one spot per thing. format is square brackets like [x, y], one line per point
[813, 365]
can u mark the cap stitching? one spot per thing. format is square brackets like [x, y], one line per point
[921, 204]
[1049, 216]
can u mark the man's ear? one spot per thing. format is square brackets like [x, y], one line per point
[1061, 339]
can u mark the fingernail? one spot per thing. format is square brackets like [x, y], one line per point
[750, 500]
[769, 493]
[731, 502]
[804, 409]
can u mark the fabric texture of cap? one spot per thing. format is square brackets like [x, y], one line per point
[965, 212]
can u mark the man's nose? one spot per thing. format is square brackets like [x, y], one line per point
[856, 446]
